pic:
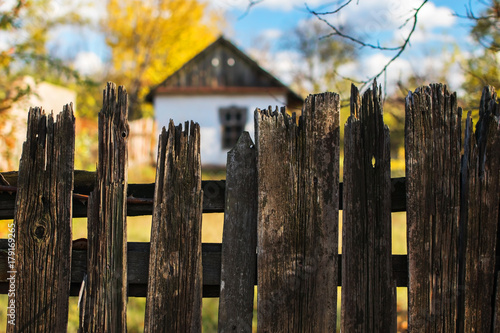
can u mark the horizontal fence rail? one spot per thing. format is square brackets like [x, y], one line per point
[138, 256]
[140, 196]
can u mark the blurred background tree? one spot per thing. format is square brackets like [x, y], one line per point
[482, 67]
[150, 39]
[27, 25]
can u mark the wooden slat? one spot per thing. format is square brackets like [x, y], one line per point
[239, 241]
[41, 248]
[368, 291]
[480, 213]
[104, 306]
[432, 149]
[213, 196]
[298, 170]
[173, 302]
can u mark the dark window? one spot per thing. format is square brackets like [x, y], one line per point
[233, 120]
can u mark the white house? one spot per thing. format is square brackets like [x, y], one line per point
[219, 88]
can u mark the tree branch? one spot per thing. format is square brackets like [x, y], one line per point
[400, 49]
[251, 3]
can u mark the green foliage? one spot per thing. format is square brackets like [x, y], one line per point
[486, 30]
[483, 67]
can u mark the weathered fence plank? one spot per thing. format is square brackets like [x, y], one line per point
[173, 302]
[368, 288]
[432, 146]
[298, 172]
[104, 306]
[239, 240]
[480, 213]
[41, 249]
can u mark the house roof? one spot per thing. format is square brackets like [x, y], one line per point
[219, 69]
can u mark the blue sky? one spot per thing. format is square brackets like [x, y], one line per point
[260, 33]
[438, 33]
[382, 16]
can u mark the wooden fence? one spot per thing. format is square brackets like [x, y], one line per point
[281, 200]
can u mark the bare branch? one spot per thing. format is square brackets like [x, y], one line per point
[400, 49]
[469, 14]
[251, 3]
[486, 21]
[335, 11]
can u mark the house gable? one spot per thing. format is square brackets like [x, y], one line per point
[223, 68]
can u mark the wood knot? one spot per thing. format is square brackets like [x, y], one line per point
[39, 232]
[39, 229]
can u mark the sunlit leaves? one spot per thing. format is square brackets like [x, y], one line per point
[151, 39]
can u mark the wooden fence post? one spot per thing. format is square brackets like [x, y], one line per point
[239, 240]
[368, 287]
[174, 293]
[480, 213]
[298, 195]
[104, 306]
[432, 145]
[42, 223]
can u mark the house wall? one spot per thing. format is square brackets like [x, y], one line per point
[204, 109]
[13, 122]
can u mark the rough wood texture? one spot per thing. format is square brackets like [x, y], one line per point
[432, 145]
[480, 205]
[496, 313]
[368, 288]
[174, 294]
[104, 306]
[298, 172]
[239, 241]
[42, 224]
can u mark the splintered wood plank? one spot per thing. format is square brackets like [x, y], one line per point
[298, 195]
[239, 240]
[39, 276]
[174, 294]
[368, 287]
[480, 213]
[104, 305]
[432, 147]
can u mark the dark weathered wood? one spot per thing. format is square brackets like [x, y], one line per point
[239, 241]
[213, 196]
[104, 305]
[40, 266]
[480, 213]
[432, 147]
[368, 288]
[298, 172]
[173, 302]
[496, 312]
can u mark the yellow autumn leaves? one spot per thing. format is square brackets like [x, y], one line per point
[151, 39]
